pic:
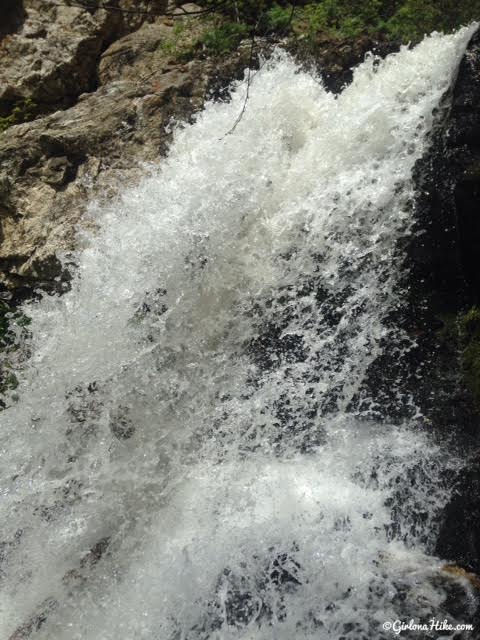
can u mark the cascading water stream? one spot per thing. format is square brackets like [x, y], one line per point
[193, 453]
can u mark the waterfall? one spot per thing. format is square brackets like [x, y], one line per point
[193, 451]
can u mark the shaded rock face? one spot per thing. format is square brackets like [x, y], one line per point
[13, 15]
[460, 538]
[444, 281]
[335, 62]
[464, 135]
[441, 277]
[450, 182]
[441, 281]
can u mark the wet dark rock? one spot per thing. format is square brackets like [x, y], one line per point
[36, 621]
[273, 348]
[335, 61]
[7, 546]
[244, 599]
[121, 424]
[464, 135]
[96, 553]
[83, 404]
[73, 578]
[152, 305]
[444, 283]
[64, 497]
[442, 278]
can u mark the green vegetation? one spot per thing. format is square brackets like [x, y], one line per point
[470, 337]
[222, 30]
[22, 112]
[341, 19]
[399, 20]
[239, 19]
[414, 18]
[277, 19]
[224, 38]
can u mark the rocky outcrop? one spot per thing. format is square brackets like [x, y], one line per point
[51, 58]
[49, 50]
[464, 137]
[461, 522]
[50, 167]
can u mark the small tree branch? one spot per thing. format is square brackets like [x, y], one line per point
[249, 82]
[111, 7]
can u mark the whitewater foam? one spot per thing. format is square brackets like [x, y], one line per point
[196, 402]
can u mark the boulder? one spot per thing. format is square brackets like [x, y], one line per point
[138, 54]
[70, 156]
[51, 58]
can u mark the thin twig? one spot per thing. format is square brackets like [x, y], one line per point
[110, 7]
[208, 10]
[247, 93]
[292, 13]
[250, 76]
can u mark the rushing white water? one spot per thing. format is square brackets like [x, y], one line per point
[193, 454]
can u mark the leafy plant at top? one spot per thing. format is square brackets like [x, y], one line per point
[402, 20]
[225, 37]
[278, 19]
[341, 18]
